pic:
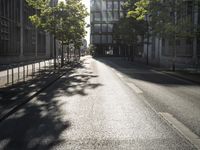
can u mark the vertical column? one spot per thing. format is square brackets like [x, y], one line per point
[195, 57]
[36, 41]
[22, 28]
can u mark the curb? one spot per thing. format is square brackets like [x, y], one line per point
[182, 77]
[16, 107]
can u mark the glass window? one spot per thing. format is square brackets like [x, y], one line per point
[104, 16]
[97, 39]
[109, 5]
[97, 16]
[104, 6]
[115, 5]
[116, 16]
[104, 28]
[104, 39]
[92, 4]
[110, 27]
[97, 28]
[110, 39]
[97, 5]
[110, 16]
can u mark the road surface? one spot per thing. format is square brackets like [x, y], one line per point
[98, 106]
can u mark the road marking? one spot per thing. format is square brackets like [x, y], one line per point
[186, 132]
[135, 88]
[119, 75]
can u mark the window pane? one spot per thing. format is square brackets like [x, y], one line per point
[115, 5]
[104, 16]
[104, 8]
[97, 39]
[110, 16]
[104, 27]
[109, 38]
[97, 17]
[109, 5]
[97, 28]
[104, 39]
[116, 16]
[110, 27]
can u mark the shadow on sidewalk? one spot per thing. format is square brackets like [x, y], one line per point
[41, 123]
[142, 72]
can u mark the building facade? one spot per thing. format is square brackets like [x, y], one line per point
[187, 53]
[104, 14]
[19, 39]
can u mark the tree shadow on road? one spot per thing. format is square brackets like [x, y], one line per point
[41, 123]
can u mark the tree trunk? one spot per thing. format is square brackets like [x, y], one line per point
[54, 52]
[62, 56]
[68, 52]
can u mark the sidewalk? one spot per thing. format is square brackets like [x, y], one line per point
[12, 97]
[187, 75]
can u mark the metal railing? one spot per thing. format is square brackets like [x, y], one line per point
[23, 72]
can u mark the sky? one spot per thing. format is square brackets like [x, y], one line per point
[87, 4]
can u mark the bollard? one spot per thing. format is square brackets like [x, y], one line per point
[18, 69]
[12, 76]
[23, 73]
[8, 75]
[32, 70]
[39, 67]
[27, 71]
[44, 65]
[49, 64]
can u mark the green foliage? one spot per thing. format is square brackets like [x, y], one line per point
[127, 31]
[66, 21]
[167, 19]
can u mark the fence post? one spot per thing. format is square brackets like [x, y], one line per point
[39, 67]
[18, 69]
[23, 72]
[8, 75]
[12, 76]
[27, 71]
[45, 65]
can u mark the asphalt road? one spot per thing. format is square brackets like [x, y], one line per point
[93, 107]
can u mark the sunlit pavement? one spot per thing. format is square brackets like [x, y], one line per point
[99, 107]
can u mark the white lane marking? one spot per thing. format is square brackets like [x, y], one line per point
[119, 75]
[135, 88]
[186, 132]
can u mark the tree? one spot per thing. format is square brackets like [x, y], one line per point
[167, 19]
[65, 21]
[127, 31]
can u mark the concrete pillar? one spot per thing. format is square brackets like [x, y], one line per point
[195, 57]
[36, 41]
[22, 28]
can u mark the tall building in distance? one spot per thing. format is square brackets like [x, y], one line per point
[160, 51]
[104, 14]
[19, 39]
